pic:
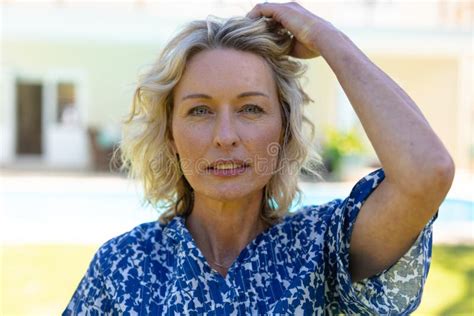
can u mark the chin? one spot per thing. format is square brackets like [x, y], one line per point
[227, 192]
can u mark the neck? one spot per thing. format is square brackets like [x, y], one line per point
[221, 229]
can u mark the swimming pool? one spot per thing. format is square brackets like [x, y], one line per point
[451, 210]
[89, 211]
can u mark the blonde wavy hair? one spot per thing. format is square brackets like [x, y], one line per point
[145, 150]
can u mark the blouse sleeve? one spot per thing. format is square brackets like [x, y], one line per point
[90, 297]
[395, 291]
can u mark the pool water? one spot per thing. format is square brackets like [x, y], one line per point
[94, 215]
[451, 210]
[456, 210]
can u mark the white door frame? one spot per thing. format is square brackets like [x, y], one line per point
[49, 81]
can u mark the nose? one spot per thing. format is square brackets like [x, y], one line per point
[225, 132]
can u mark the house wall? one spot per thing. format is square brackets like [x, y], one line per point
[434, 83]
[109, 70]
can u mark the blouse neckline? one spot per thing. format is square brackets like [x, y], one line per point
[185, 243]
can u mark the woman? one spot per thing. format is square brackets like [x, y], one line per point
[216, 132]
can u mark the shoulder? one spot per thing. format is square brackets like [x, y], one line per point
[308, 225]
[310, 215]
[329, 220]
[133, 246]
[360, 191]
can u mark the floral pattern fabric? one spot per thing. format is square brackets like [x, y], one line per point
[296, 267]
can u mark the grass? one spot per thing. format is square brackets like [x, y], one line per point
[450, 286]
[39, 280]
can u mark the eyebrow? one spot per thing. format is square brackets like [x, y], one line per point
[242, 95]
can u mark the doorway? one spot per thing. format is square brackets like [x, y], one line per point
[29, 127]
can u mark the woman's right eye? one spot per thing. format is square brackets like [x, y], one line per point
[199, 110]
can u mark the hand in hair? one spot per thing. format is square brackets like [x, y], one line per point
[304, 25]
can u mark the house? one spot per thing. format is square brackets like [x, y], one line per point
[69, 67]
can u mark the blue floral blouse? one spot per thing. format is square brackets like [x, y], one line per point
[296, 267]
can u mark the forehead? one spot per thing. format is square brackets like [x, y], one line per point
[219, 71]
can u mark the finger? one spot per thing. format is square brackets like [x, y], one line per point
[300, 51]
[255, 12]
[262, 9]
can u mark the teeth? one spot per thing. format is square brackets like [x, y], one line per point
[227, 166]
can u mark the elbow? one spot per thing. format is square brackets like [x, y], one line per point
[445, 173]
[439, 178]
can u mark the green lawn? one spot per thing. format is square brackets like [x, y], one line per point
[39, 280]
[450, 286]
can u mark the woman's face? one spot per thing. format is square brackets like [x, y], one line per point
[226, 108]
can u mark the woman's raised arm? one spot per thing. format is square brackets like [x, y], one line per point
[418, 169]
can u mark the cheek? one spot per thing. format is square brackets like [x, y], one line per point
[188, 138]
[190, 145]
[266, 151]
[188, 156]
[269, 137]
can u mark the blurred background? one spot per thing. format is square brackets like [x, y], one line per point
[67, 76]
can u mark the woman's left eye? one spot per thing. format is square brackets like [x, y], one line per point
[252, 108]
[199, 110]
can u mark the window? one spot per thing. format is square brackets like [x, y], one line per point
[67, 112]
